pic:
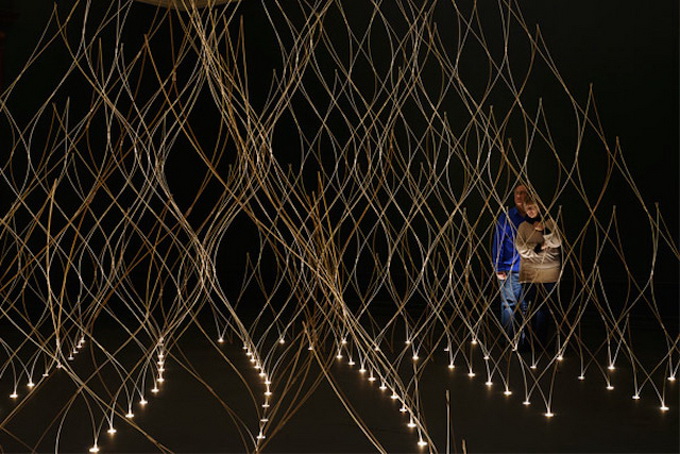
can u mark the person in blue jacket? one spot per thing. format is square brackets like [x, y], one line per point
[506, 262]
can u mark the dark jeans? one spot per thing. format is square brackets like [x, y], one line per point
[535, 302]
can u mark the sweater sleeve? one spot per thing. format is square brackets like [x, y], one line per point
[552, 239]
[522, 243]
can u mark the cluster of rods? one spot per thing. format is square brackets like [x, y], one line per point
[352, 190]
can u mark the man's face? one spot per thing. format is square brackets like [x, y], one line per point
[520, 195]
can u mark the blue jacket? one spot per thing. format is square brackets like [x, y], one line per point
[505, 256]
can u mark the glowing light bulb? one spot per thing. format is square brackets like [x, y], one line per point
[636, 397]
[111, 431]
[265, 405]
[160, 363]
[262, 374]
[382, 387]
[507, 392]
[611, 367]
[143, 402]
[70, 357]
[362, 370]
[394, 396]
[560, 358]
[610, 387]
[252, 360]
[260, 436]
[664, 408]
[155, 390]
[416, 357]
[30, 384]
[526, 402]
[339, 356]
[267, 393]
[264, 420]
[533, 366]
[94, 448]
[581, 377]
[489, 383]
[407, 342]
[13, 395]
[471, 374]
[377, 349]
[452, 366]
[343, 342]
[549, 415]
[446, 349]
[59, 366]
[403, 409]
[411, 424]
[473, 341]
[282, 341]
[161, 355]
[220, 340]
[267, 382]
[249, 354]
[422, 443]
[310, 348]
[130, 415]
[486, 358]
[160, 379]
[45, 374]
[671, 378]
[351, 363]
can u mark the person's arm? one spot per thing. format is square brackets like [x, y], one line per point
[551, 235]
[527, 249]
[497, 247]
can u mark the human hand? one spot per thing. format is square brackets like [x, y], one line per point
[502, 275]
[538, 225]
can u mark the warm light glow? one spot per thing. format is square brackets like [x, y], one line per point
[411, 424]
[416, 357]
[362, 370]
[264, 420]
[452, 366]
[282, 341]
[611, 367]
[382, 387]
[403, 409]
[507, 392]
[671, 378]
[111, 431]
[130, 415]
[581, 377]
[377, 349]
[143, 402]
[260, 436]
[351, 363]
[265, 405]
[220, 340]
[339, 356]
[474, 342]
[371, 378]
[343, 342]
[489, 383]
[664, 408]
[30, 384]
[486, 358]
[13, 395]
[267, 393]
[610, 387]
[533, 366]
[636, 397]
[394, 396]
[154, 390]
[94, 448]
[446, 349]
[549, 415]
[407, 342]
[526, 402]
[560, 358]
[471, 374]
[160, 379]
[422, 443]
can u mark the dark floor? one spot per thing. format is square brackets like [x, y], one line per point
[205, 406]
